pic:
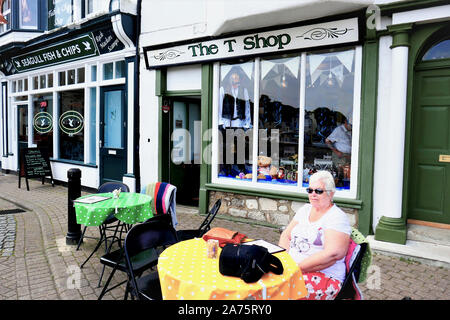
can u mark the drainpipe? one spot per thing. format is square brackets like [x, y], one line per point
[137, 172]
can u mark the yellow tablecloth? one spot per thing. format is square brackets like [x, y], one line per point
[186, 273]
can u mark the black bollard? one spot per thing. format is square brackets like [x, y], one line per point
[74, 191]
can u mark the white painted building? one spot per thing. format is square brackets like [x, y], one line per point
[364, 61]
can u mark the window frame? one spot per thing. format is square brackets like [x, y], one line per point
[4, 111]
[253, 184]
[86, 85]
[37, 17]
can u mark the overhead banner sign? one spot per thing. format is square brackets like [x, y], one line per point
[75, 49]
[323, 34]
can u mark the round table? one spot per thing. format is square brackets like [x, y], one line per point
[130, 208]
[185, 272]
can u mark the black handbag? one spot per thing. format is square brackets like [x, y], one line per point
[248, 262]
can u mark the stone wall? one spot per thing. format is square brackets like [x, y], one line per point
[273, 211]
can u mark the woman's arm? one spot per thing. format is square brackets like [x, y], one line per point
[335, 248]
[285, 237]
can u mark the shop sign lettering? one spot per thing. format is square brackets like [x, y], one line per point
[79, 48]
[329, 33]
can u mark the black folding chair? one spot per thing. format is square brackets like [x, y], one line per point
[152, 235]
[159, 227]
[204, 227]
[107, 225]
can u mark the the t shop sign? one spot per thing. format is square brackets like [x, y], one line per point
[323, 34]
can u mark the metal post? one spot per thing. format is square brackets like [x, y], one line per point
[74, 191]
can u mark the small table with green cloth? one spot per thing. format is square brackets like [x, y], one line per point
[129, 208]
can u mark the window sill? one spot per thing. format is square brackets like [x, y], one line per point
[77, 163]
[294, 196]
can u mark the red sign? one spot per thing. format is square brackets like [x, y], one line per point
[166, 108]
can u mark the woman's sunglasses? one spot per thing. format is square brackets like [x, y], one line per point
[317, 191]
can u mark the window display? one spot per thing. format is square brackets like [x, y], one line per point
[43, 122]
[328, 115]
[71, 123]
[278, 120]
[235, 119]
[304, 119]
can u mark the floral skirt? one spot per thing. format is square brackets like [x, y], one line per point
[320, 287]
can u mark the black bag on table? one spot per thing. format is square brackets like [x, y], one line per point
[248, 262]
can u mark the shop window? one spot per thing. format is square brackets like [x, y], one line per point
[71, 77]
[28, 14]
[93, 73]
[80, 75]
[14, 87]
[5, 15]
[43, 81]
[50, 80]
[279, 120]
[120, 69]
[329, 115]
[19, 86]
[43, 122]
[62, 78]
[235, 119]
[304, 112]
[71, 124]
[438, 51]
[108, 71]
[25, 84]
[35, 83]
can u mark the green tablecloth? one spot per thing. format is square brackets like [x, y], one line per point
[129, 208]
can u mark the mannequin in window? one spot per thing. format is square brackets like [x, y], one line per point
[234, 113]
[340, 142]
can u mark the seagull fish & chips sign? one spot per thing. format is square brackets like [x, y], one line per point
[75, 49]
[323, 34]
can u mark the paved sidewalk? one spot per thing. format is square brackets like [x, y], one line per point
[36, 263]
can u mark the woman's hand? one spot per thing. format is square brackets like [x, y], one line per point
[285, 237]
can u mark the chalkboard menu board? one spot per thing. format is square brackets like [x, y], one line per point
[34, 163]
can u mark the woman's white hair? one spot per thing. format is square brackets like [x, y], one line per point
[327, 179]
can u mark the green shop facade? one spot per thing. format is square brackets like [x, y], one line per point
[70, 92]
[384, 69]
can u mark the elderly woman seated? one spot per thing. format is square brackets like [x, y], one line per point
[317, 238]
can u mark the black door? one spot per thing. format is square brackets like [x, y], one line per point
[185, 149]
[113, 142]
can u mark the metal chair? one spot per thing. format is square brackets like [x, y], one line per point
[117, 229]
[204, 226]
[142, 246]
